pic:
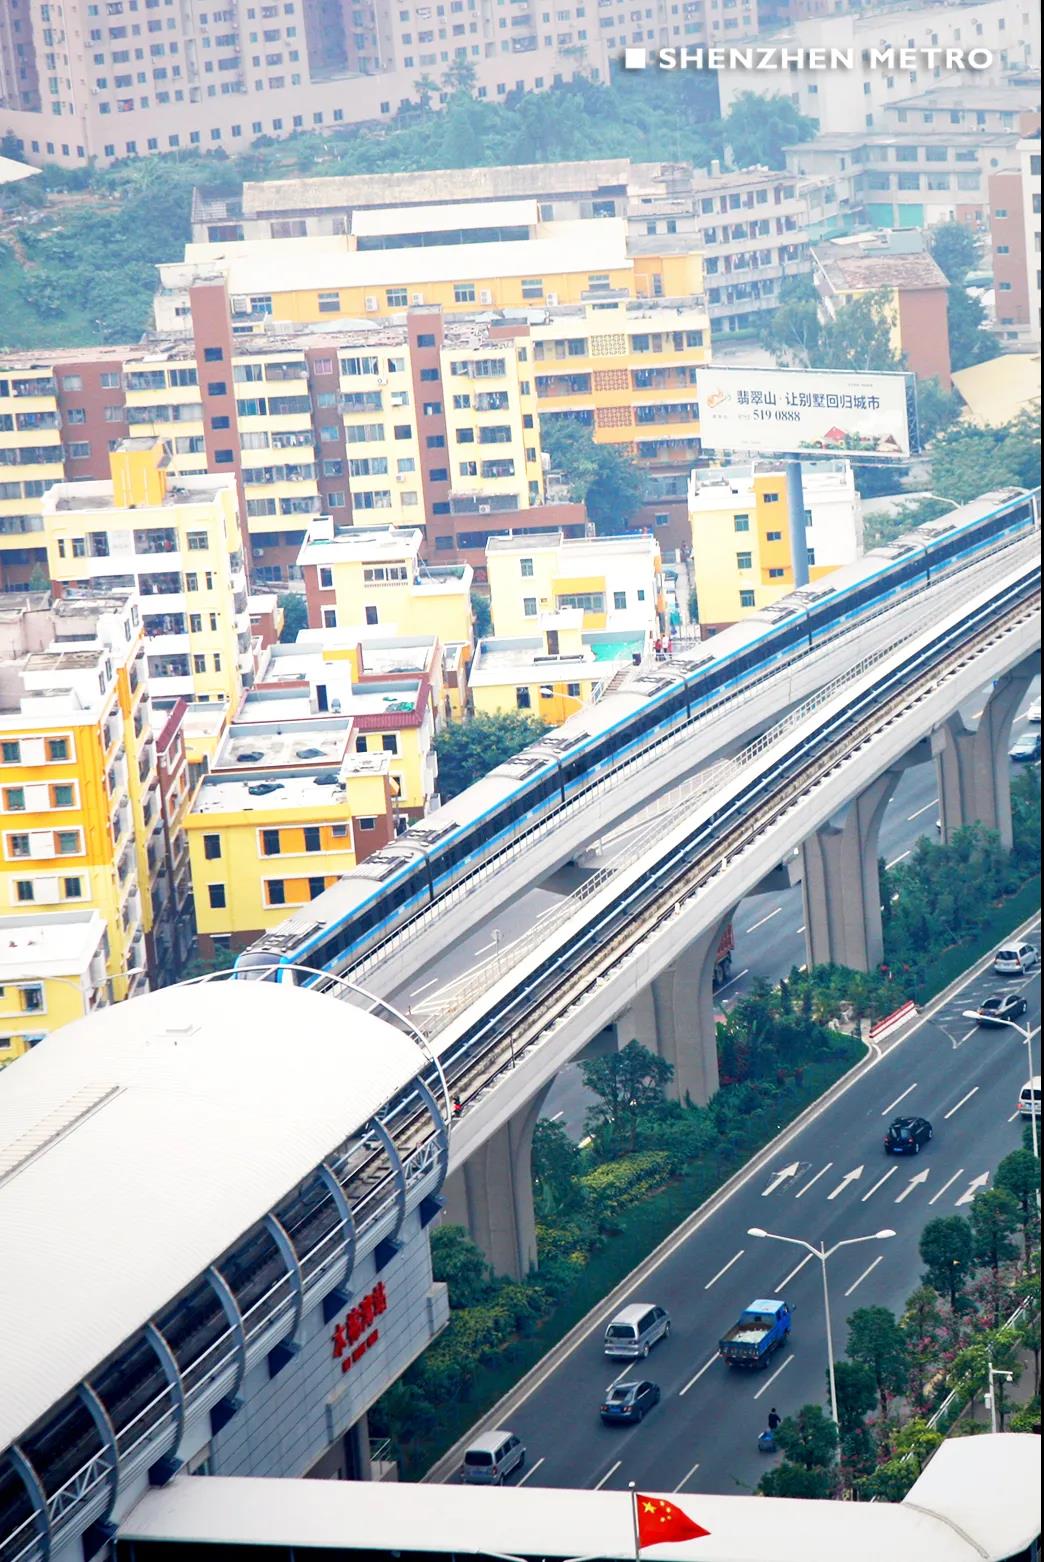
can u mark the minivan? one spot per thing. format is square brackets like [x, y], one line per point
[1029, 1098]
[491, 1458]
[1015, 959]
[636, 1330]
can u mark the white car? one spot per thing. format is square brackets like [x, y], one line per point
[1033, 714]
[1015, 959]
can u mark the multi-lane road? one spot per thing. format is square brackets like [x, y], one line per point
[829, 1180]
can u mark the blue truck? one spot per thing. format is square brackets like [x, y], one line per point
[759, 1331]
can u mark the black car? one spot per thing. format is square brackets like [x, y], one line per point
[1000, 1007]
[629, 1401]
[906, 1135]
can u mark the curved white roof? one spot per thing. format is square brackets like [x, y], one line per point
[137, 1144]
[998, 1504]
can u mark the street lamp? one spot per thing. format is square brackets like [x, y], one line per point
[1026, 1032]
[822, 1252]
[995, 1372]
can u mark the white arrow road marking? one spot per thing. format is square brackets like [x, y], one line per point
[781, 1177]
[912, 1184]
[868, 1270]
[895, 1103]
[972, 1189]
[725, 1269]
[802, 1191]
[687, 1477]
[707, 1365]
[944, 1187]
[852, 1176]
[889, 1173]
[533, 1468]
[772, 1379]
[608, 1473]
[947, 1115]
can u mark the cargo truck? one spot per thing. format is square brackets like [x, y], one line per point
[759, 1332]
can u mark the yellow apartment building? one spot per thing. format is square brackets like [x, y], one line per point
[52, 971]
[31, 458]
[373, 576]
[549, 675]
[615, 582]
[303, 281]
[269, 830]
[391, 689]
[742, 549]
[80, 820]
[178, 544]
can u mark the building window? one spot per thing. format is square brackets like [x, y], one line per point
[463, 292]
[743, 561]
[312, 841]
[523, 699]
[746, 599]
[211, 847]
[316, 887]
[72, 889]
[526, 566]
[425, 339]
[397, 298]
[67, 842]
[24, 891]
[329, 303]
[741, 523]
[63, 797]
[329, 618]
[619, 600]
[213, 354]
[771, 498]
[776, 574]
[371, 615]
[390, 743]
[276, 892]
[529, 607]
[216, 896]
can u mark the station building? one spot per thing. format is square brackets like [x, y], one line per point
[214, 1263]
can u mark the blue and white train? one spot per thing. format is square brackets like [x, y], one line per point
[377, 898]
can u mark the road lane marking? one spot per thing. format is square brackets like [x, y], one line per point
[796, 1270]
[707, 1365]
[893, 1104]
[725, 1270]
[868, 1270]
[732, 979]
[933, 804]
[533, 1468]
[768, 1384]
[802, 1191]
[482, 951]
[915, 1182]
[687, 1477]
[974, 1187]
[889, 1173]
[897, 860]
[852, 1176]
[424, 988]
[949, 1114]
[1014, 1115]
[607, 1474]
[765, 919]
[557, 1116]
[801, 929]
[944, 1187]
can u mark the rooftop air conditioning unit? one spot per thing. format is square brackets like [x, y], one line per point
[371, 304]
[485, 296]
[485, 509]
[551, 298]
[416, 298]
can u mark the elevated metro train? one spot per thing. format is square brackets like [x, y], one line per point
[378, 897]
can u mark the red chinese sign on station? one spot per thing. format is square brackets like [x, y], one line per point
[356, 1335]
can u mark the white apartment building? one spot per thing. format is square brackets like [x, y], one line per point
[850, 100]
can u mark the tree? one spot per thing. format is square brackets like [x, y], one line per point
[629, 1084]
[965, 321]
[859, 336]
[295, 616]
[426, 87]
[39, 580]
[967, 460]
[482, 615]
[856, 1394]
[758, 127]
[793, 1480]
[556, 1170]
[460, 76]
[954, 249]
[469, 750]
[461, 1266]
[922, 1324]
[876, 1341]
[994, 1216]
[220, 959]
[599, 476]
[795, 330]
[937, 409]
[1019, 1175]
[946, 1248]
[997, 1348]
[808, 1439]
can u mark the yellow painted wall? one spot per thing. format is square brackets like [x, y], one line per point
[63, 1001]
[496, 699]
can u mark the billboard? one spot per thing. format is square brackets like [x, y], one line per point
[788, 411]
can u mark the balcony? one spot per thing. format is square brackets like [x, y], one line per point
[548, 385]
[157, 539]
[169, 667]
[156, 624]
[663, 379]
[167, 584]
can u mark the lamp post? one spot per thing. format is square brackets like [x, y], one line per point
[1026, 1032]
[822, 1252]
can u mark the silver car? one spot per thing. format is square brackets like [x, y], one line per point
[492, 1458]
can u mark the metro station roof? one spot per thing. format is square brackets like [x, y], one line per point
[981, 1503]
[139, 1143]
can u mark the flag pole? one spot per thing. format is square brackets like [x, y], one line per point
[634, 1519]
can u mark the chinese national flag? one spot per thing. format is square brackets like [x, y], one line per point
[660, 1522]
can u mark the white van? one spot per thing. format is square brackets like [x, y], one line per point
[636, 1330]
[1015, 959]
[1029, 1098]
[491, 1458]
